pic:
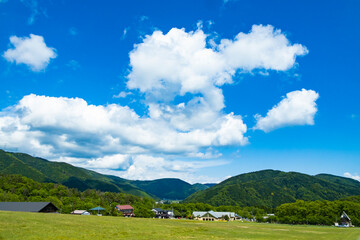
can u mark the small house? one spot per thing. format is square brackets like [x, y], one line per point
[44, 207]
[215, 216]
[127, 210]
[80, 212]
[345, 220]
[161, 213]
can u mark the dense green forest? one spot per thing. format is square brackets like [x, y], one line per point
[18, 188]
[270, 188]
[265, 189]
[42, 170]
[318, 212]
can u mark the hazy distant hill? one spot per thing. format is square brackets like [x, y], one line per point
[169, 188]
[271, 188]
[43, 170]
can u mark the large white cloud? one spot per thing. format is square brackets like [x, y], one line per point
[181, 78]
[69, 128]
[167, 65]
[31, 51]
[297, 108]
[264, 47]
[112, 137]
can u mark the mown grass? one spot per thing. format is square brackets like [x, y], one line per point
[17, 225]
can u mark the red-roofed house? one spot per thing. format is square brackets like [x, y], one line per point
[127, 210]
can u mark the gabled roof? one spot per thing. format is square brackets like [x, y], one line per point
[124, 207]
[24, 206]
[214, 214]
[199, 213]
[344, 215]
[97, 209]
[78, 212]
[158, 209]
[220, 214]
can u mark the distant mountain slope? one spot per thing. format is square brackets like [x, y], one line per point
[199, 186]
[42, 170]
[271, 188]
[209, 184]
[168, 188]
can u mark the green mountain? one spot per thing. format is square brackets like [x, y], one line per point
[169, 188]
[270, 188]
[42, 170]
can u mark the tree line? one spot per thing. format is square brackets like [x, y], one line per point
[16, 188]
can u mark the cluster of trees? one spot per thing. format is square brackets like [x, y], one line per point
[318, 212]
[16, 188]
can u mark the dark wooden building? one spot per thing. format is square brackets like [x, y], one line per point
[345, 220]
[44, 207]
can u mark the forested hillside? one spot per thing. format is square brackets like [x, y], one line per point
[43, 170]
[269, 188]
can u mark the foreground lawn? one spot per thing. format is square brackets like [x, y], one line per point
[17, 225]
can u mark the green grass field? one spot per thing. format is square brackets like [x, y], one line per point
[17, 225]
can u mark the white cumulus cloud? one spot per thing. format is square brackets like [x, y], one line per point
[167, 65]
[70, 125]
[297, 108]
[264, 48]
[31, 51]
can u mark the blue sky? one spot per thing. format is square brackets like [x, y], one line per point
[199, 90]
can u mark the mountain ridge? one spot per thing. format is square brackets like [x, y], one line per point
[271, 188]
[42, 170]
[267, 188]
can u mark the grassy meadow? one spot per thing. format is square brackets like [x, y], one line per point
[18, 225]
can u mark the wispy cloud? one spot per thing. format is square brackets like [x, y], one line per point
[34, 8]
[349, 175]
[73, 31]
[122, 94]
[73, 64]
[143, 18]
[125, 32]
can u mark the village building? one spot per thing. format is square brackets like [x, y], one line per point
[161, 213]
[80, 212]
[345, 220]
[126, 210]
[44, 207]
[215, 216]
